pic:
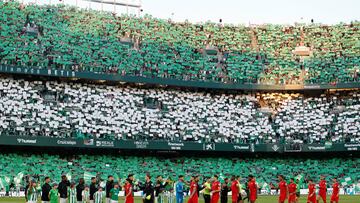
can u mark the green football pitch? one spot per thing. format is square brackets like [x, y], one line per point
[261, 199]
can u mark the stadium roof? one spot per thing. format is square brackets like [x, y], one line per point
[135, 4]
[255, 11]
[230, 11]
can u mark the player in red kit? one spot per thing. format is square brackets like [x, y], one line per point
[312, 195]
[292, 191]
[240, 199]
[252, 189]
[194, 198]
[129, 198]
[322, 189]
[234, 190]
[215, 190]
[335, 193]
[282, 188]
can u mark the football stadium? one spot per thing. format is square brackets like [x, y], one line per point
[103, 102]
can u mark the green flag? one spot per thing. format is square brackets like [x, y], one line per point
[7, 179]
[88, 176]
[102, 184]
[3, 183]
[299, 177]
[18, 178]
[116, 178]
[357, 188]
[346, 181]
[266, 187]
[68, 175]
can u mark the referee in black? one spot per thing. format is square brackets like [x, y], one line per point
[224, 191]
[93, 189]
[45, 189]
[79, 188]
[108, 187]
[63, 189]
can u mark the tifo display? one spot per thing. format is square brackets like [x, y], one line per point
[96, 105]
[86, 111]
[67, 38]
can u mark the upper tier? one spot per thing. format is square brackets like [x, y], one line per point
[68, 38]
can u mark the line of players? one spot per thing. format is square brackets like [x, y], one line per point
[213, 191]
[217, 191]
[69, 192]
[288, 191]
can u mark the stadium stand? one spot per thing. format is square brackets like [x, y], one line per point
[319, 118]
[63, 109]
[67, 38]
[266, 169]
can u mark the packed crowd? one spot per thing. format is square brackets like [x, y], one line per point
[62, 109]
[329, 117]
[21, 168]
[69, 38]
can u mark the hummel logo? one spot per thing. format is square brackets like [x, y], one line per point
[26, 141]
[275, 148]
